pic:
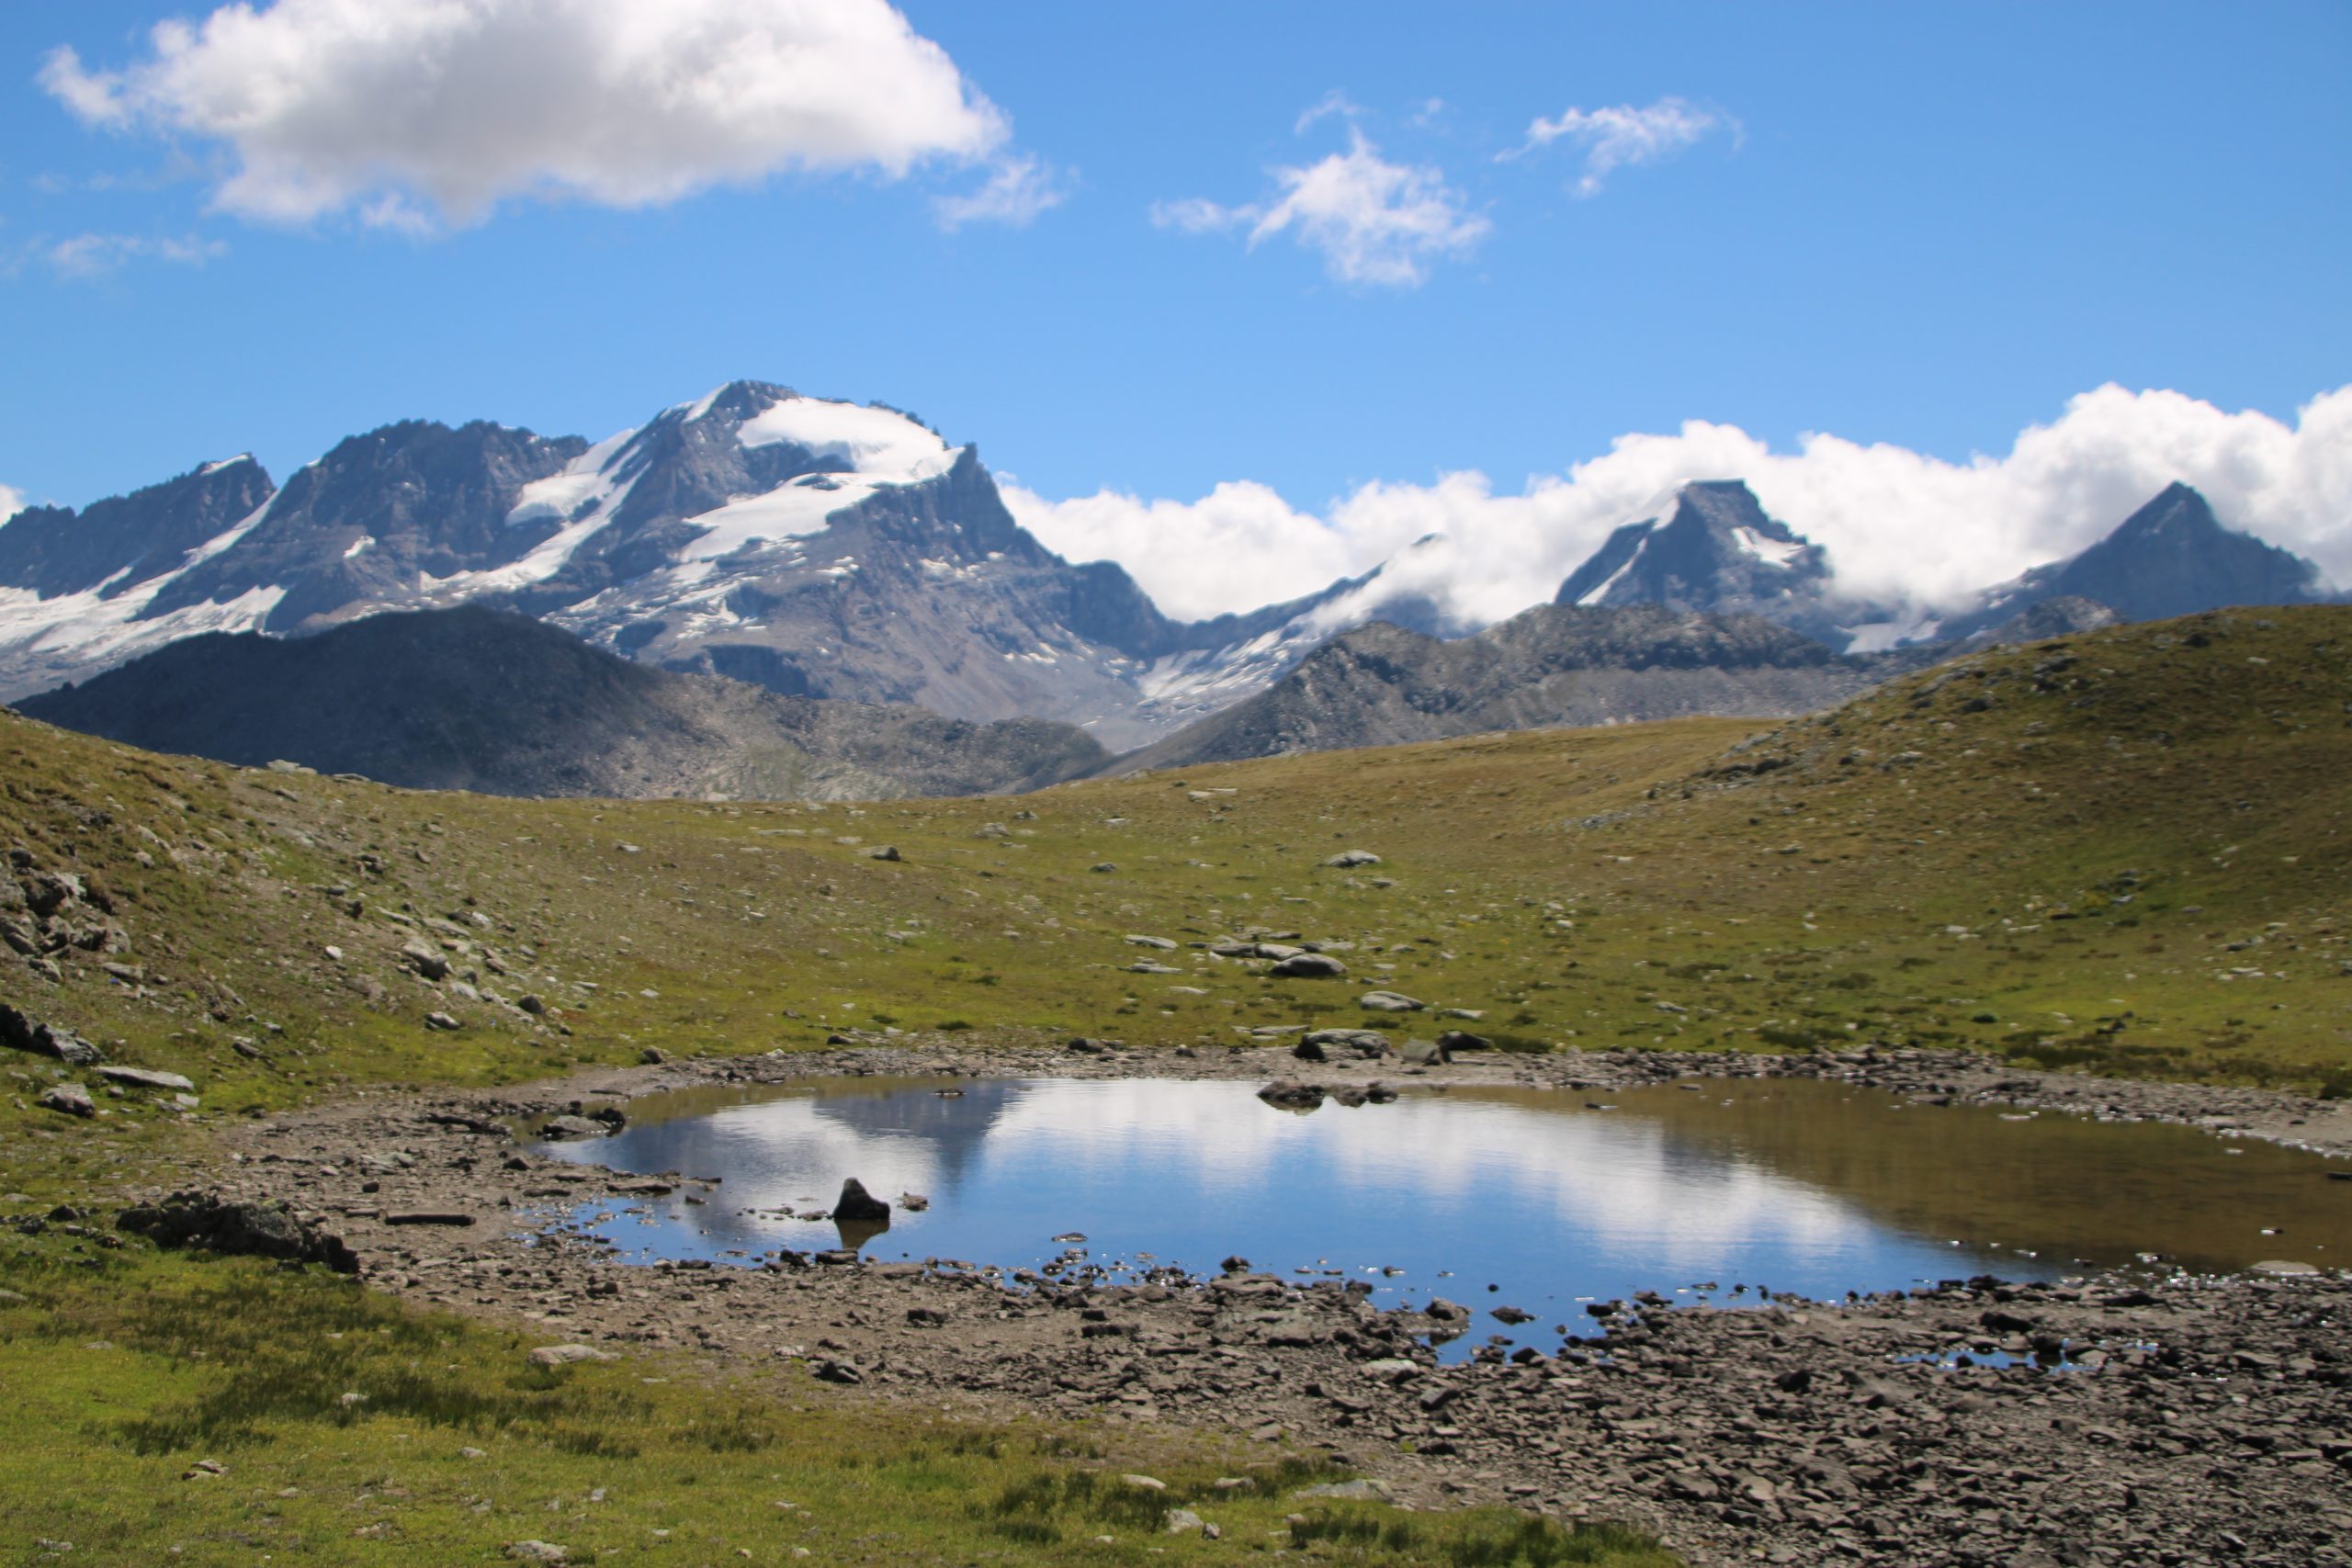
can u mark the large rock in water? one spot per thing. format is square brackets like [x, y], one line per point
[857, 1206]
[262, 1229]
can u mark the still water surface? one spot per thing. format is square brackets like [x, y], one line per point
[1554, 1198]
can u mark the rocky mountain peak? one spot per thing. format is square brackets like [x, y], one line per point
[114, 546]
[1708, 546]
[2172, 557]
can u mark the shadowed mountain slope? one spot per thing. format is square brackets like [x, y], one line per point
[500, 703]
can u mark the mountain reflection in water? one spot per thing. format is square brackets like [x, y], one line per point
[1799, 1185]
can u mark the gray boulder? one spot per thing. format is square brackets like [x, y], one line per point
[144, 1078]
[1368, 1044]
[1309, 966]
[1389, 1001]
[70, 1099]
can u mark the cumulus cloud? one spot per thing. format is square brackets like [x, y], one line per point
[12, 501]
[1902, 527]
[1615, 137]
[1374, 221]
[397, 109]
[1238, 546]
[1018, 189]
[94, 255]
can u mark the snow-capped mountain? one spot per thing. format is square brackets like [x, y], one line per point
[814, 547]
[1709, 546]
[833, 549]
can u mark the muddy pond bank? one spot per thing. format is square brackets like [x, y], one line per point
[2202, 1419]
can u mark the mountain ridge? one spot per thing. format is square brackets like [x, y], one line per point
[831, 549]
[498, 702]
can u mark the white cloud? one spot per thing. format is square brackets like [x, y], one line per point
[12, 501]
[1018, 189]
[400, 109]
[1899, 524]
[1613, 137]
[1236, 547]
[1334, 102]
[1374, 221]
[93, 255]
[1198, 215]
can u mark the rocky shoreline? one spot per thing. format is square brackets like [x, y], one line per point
[2104, 1420]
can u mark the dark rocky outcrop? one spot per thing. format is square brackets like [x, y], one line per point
[20, 1032]
[207, 1221]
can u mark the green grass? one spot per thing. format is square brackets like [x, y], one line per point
[125, 1368]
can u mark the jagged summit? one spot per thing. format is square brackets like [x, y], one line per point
[111, 547]
[1709, 546]
[2172, 557]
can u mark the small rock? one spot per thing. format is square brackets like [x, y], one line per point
[1361, 1490]
[70, 1099]
[1389, 1001]
[565, 1355]
[558, 1128]
[1348, 859]
[538, 1552]
[142, 1077]
[886, 852]
[1183, 1521]
[441, 1021]
[1309, 966]
[1144, 1483]
[1285, 1094]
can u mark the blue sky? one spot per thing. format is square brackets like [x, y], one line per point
[1922, 226]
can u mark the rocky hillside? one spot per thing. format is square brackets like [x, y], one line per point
[1382, 685]
[497, 703]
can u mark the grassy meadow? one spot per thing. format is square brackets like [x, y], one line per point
[2126, 853]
